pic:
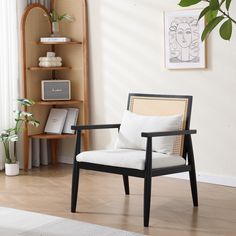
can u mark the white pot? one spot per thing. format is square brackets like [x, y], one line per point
[12, 169]
[55, 29]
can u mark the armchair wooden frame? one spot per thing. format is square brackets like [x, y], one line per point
[148, 171]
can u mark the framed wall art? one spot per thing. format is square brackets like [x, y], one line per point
[183, 46]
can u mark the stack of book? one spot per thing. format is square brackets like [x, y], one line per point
[55, 39]
[60, 120]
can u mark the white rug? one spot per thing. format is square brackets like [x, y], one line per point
[23, 223]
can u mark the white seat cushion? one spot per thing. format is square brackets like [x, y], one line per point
[129, 158]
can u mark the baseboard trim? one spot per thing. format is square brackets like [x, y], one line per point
[211, 179]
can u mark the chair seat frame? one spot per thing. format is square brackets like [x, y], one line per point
[148, 171]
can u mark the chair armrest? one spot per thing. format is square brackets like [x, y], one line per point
[89, 127]
[167, 133]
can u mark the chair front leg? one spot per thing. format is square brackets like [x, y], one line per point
[192, 172]
[75, 174]
[147, 183]
[147, 199]
[193, 183]
[75, 183]
[126, 184]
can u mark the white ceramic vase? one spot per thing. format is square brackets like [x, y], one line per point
[12, 169]
[55, 29]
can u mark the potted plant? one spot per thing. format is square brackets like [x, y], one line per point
[55, 18]
[9, 136]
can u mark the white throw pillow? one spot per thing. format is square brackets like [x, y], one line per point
[133, 125]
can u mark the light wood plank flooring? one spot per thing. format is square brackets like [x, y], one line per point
[102, 201]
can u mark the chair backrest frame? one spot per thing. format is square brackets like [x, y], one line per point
[161, 97]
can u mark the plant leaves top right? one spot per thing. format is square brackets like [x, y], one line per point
[216, 12]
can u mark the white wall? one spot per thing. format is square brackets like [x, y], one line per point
[127, 55]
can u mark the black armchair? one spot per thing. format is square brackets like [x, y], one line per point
[146, 163]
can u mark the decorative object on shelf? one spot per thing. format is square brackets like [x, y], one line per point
[71, 119]
[9, 136]
[55, 18]
[56, 121]
[50, 60]
[183, 46]
[55, 90]
[55, 39]
[51, 54]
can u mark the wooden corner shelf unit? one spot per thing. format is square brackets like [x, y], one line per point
[35, 24]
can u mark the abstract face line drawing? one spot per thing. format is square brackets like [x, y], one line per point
[184, 35]
[184, 45]
[183, 40]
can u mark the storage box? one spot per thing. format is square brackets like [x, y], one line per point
[55, 90]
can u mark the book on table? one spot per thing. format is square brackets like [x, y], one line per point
[56, 121]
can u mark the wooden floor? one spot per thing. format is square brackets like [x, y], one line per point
[102, 201]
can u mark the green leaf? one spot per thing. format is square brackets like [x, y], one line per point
[10, 130]
[20, 119]
[222, 1]
[61, 17]
[210, 15]
[34, 123]
[210, 26]
[53, 17]
[26, 114]
[4, 135]
[187, 3]
[203, 12]
[17, 112]
[13, 138]
[25, 102]
[226, 30]
[214, 4]
[227, 4]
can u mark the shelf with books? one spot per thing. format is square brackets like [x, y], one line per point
[51, 103]
[38, 68]
[58, 43]
[58, 125]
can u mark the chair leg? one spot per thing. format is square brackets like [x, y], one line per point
[126, 184]
[193, 182]
[147, 199]
[192, 173]
[75, 183]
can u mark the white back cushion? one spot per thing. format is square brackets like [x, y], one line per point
[133, 125]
